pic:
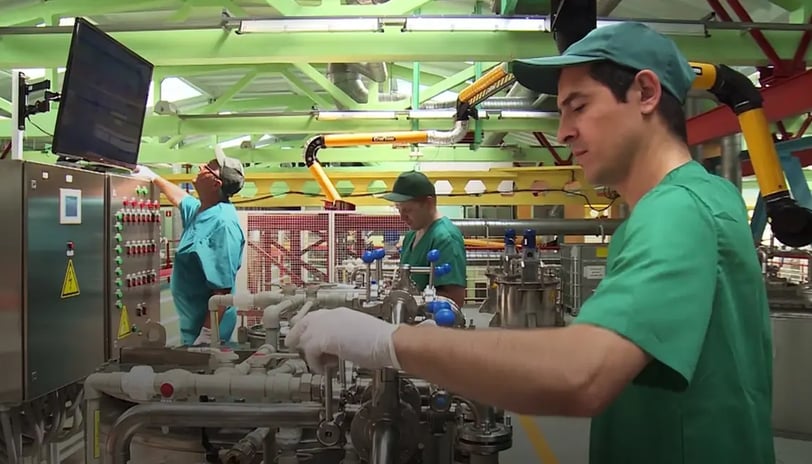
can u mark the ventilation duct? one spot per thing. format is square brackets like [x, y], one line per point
[348, 76]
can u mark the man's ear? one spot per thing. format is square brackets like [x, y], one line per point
[647, 84]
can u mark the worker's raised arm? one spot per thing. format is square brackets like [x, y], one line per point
[173, 192]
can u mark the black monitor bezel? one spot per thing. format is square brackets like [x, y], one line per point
[83, 23]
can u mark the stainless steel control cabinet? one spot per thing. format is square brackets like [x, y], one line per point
[52, 286]
[133, 261]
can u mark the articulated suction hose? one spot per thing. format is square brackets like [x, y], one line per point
[790, 222]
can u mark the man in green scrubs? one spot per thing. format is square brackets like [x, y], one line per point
[211, 246]
[416, 200]
[672, 354]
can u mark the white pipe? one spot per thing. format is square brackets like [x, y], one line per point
[302, 311]
[272, 314]
[142, 383]
[260, 356]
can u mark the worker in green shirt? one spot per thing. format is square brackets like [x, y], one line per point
[672, 354]
[416, 200]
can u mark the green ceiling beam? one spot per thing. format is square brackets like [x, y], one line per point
[153, 154]
[316, 76]
[168, 126]
[158, 154]
[290, 102]
[300, 86]
[789, 5]
[451, 82]
[220, 103]
[335, 8]
[217, 47]
[27, 12]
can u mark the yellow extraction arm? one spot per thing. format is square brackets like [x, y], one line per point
[790, 222]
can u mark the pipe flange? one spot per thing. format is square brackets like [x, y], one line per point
[328, 434]
[407, 424]
[305, 390]
[410, 305]
[408, 393]
[473, 439]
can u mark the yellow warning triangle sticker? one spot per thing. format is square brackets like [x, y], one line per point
[124, 324]
[70, 285]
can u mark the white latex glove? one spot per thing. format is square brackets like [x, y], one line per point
[326, 335]
[204, 337]
[145, 172]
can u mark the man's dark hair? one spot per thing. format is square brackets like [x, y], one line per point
[620, 78]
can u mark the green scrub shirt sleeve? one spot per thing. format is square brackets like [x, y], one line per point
[220, 256]
[659, 287]
[452, 251]
[188, 208]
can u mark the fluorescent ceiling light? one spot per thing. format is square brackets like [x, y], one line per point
[310, 25]
[344, 115]
[477, 24]
[666, 28]
[527, 115]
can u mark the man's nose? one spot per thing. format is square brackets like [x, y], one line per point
[566, 131]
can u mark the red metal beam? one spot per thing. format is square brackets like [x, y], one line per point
[782, 100]
[804, 156]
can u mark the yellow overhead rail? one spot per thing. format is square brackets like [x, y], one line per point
[790, 222]
[496, 79]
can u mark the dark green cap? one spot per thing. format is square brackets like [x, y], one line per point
[630, 44]
[411, 185]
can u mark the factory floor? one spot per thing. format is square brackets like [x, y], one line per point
[560, 440]
[566, 441]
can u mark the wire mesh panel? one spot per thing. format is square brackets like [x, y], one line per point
[356, 232]
[286, 247]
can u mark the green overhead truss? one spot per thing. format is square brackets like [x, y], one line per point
[186, 39]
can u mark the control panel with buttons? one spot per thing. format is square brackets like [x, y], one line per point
[135, 261]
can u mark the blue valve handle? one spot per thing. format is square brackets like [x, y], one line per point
[433, 255]
[442, 269]
[368, 256]
[445, 317]
[379, 253]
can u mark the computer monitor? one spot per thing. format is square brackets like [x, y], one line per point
[103, 101]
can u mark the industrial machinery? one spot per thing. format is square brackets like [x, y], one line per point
[348, 414]
[80, 253]
[526, 293]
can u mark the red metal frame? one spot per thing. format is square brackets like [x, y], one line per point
[788, 98]
[542, 139]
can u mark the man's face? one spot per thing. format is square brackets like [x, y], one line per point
[416, 213]
[208, 178]
[601, 131]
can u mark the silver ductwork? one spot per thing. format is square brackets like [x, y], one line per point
[544, 226]
[348, 77]
[449, 137]
[730, 166]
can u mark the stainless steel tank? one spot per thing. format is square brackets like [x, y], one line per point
[526, 304]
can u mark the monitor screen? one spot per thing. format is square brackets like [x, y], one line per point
[103, 101]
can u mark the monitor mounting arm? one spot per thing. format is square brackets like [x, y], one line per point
[24, 90]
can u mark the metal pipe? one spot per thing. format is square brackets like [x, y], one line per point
[545, 226]
[384, 443]
[731, 165]
[204, 415]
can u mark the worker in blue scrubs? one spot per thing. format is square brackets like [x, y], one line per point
[211, 246]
